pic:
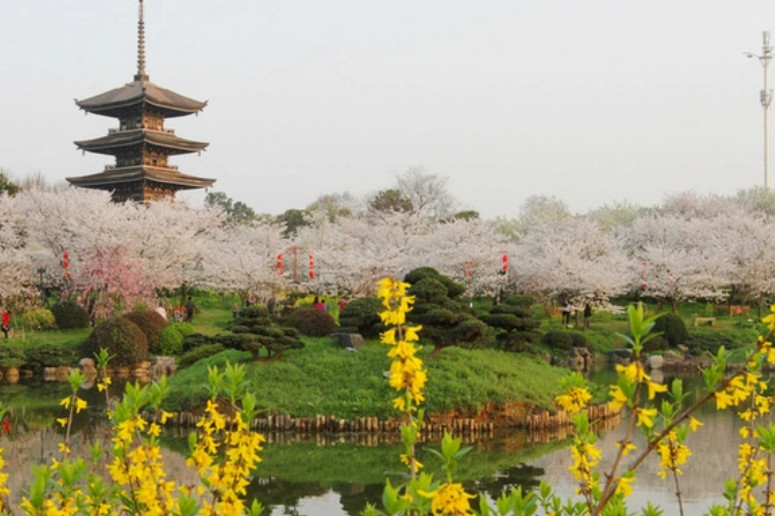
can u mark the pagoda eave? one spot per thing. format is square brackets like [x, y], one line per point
[121, 139]
[107, 179]
[112, 103]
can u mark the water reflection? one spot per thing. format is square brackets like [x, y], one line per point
[338, 475]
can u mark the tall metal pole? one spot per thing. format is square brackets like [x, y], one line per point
[765, 96]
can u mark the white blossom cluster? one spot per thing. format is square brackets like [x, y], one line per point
[688, 248]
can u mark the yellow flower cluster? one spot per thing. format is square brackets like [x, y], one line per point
[672, 454]
[137, 466]
[450, 499]
[585, 456]
[574, 400]
[635, 374]
[406, 371]
[738, 390]
[226, 480]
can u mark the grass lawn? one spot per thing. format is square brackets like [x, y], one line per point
[325, 379]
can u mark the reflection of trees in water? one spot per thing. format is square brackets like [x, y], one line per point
[524, 475]
[274, 492]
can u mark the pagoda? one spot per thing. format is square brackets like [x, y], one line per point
[141, 144]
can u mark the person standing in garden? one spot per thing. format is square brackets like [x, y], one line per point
[190, 308]
[587, 316]
[6, 322]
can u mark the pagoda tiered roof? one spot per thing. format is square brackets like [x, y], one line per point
[128, 138]
[112, 176]
[140, 92]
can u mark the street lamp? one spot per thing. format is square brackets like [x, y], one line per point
[766, 97]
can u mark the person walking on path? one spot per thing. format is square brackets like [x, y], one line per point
[6, 322]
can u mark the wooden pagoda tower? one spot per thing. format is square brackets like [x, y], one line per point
[141, 144]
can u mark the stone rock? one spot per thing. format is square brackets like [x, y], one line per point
[163, 366]
[49, 374]
[683, 349]
[87, 367]
[576, 363]
[349, 340]
[620, 356]
[672, 357]
[656, 362]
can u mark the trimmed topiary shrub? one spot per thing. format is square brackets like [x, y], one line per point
[171, 338]
[445, 319]
[255, 330]
[672, 328]
[11, 355]
[310, 322]
[513, 322]
[49, 355]
[362, 316]
[198, 353]
[558, 339]
[39, 319]
[151, 323]
[123, 339]
[69, 315]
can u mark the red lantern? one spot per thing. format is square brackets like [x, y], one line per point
[505, 265]
[66, 264]
[280, 264]
[311, 267]
[469, 268]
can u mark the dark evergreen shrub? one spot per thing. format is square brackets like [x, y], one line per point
[699, 343]
[579, 340]
[311, 322]
[69, 314]
[453, 289]
[49, 355]
[257, 331]
[171, 338]
[194, 340]
[123, 339]
[151, 323]
[513, 323]
[672, 328]
[556, 339]
[446, 320]
[362, 316]
[198, 353]
[11, 355]
[658, 343]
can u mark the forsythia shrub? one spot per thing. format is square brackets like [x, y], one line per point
[224, 452]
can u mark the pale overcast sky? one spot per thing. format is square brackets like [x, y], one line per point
[592, 101]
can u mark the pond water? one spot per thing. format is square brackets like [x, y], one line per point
[338, 475]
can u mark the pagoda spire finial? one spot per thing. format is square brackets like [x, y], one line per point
[141, 75]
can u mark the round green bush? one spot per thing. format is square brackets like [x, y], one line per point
[171, 338]
[69, 315]
[558, 339]
[362, 316]
[123, 339]
[39, 319]
[672, 328]
[151, 323]
[579, 340]
[311, 322]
